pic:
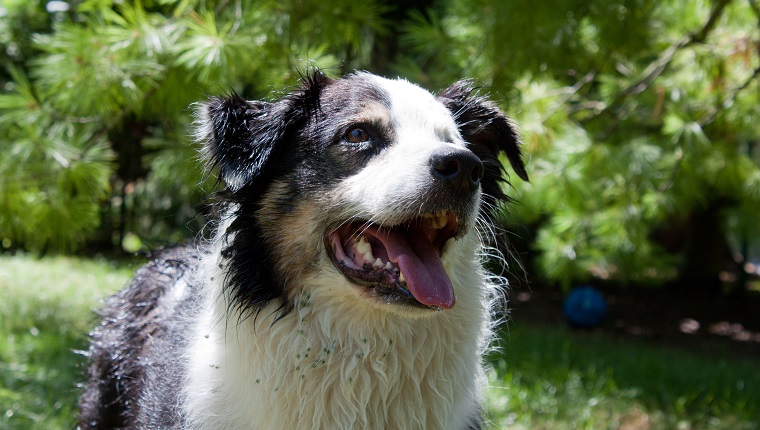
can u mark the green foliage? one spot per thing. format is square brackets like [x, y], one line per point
[99, 106]
[636, 114]
[55, 173]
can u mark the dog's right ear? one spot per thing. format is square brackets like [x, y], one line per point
[243, 138]
[239, 137]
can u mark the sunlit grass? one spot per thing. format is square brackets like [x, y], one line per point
[46, 310]
[543, 378]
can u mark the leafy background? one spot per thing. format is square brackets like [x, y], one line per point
[639, 117]
[640, 128]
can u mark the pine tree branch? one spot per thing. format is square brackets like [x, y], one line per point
[755, 9]
[710, 116]
[238, 18]
[656, 68]
[588, 77]
[715, 15]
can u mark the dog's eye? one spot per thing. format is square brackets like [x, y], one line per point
[357, 134]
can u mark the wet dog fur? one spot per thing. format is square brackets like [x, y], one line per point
[278, 321]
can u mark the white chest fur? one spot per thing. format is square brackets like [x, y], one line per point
[334, 363]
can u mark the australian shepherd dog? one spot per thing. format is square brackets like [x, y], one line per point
[343, 286]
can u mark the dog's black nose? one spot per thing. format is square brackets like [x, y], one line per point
[458, 168]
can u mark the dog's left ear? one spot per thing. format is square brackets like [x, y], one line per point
[487, 131]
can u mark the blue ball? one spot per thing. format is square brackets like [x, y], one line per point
[585, 307]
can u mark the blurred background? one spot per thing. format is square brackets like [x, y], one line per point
[641, 128]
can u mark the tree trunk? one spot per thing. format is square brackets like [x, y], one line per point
[127, 143]
[706, 251]
[387, 49]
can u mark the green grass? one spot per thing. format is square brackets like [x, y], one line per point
[543, 377]
[46, 310]
[558, 378]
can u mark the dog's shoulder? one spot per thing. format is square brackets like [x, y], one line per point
[124, 354]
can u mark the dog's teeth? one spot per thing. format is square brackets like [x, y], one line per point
[436, 221]
[388, 266]
[362, 246]
[378, 263]
[441, 219]
[368, 257]
[401, 277]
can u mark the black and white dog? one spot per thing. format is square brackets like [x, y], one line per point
[343, 287]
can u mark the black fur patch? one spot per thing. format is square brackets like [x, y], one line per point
[487, 132]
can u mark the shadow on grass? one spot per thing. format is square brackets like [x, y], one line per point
[554, 377]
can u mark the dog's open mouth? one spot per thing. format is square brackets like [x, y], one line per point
[402, 264]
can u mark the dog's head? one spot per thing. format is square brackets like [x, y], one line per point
[359, 185]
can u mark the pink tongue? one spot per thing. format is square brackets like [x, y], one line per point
[422, 268]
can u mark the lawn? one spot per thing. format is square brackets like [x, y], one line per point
[45, 313]
[544, 377]
[548, 377]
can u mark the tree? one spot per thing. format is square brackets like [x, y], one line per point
[638, 115]
[95, 115]
[638, 120]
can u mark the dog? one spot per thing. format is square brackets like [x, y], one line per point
[343, 286]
